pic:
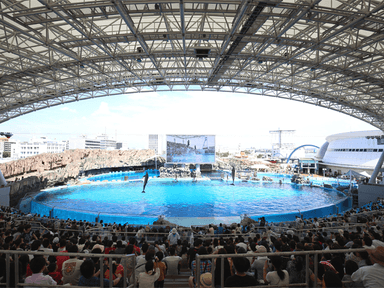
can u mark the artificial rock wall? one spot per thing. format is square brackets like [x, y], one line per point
[47, 170]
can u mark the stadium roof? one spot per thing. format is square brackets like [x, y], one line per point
[326, 53]
[355, 134]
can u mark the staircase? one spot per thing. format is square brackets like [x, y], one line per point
[355, 202]
[177, 281]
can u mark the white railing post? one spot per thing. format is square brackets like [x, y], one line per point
[16, 270]
[307, 270]
[316, 264]
[8, 268]
[101, 261]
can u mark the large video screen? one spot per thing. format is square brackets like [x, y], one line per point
[198, 149]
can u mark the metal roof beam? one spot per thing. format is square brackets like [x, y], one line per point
[128, 21]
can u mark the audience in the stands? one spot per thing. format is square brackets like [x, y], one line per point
[155, 257]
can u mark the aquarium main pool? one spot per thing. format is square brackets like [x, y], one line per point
[186, 202]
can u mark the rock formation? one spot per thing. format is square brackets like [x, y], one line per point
[163, 222]
[178, 172]
[73, 161]
[298, 179]
[47, 170]
[248, 221]
[265, 178]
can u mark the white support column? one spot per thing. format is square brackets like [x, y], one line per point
[372, 180]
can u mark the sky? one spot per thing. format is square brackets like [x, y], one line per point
[238, 120]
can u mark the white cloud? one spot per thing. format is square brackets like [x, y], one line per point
[103, 110]
[68, 109]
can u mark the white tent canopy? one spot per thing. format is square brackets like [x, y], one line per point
[355, 174]
[259, 166]
[365, 174]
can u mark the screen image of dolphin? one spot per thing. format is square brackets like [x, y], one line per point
[145, 181]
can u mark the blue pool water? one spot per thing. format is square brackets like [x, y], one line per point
[186, 202]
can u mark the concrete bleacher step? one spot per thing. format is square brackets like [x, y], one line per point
[180, 280]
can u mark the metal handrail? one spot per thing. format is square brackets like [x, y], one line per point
[331, 228]
[95, 228]
[101, 257]
[110, 230]
[93, 223]
[304, 253]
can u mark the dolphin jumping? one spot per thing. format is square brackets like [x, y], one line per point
[145, 181]
[233, 175]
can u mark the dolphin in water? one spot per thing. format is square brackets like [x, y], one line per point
[145, 181]
[233, 175]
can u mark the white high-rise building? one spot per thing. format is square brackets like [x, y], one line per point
[157, 143]
[101, 142]
[10, 149]
[3, 145]
[105, 143]
[153, 142]
[36, 146]
[83, 143]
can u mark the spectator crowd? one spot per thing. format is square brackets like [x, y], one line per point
[159, 252]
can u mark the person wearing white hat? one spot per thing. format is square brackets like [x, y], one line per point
[173, 237]
[258, 263]
[372, 276]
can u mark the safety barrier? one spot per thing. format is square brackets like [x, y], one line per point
[149, 236]
[15, 254]
[316, 261]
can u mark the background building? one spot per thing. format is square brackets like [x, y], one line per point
[3, 140]
[105, 143]
[153, 142]
[359, 151]
[101, 142]
[83, 143]
[35, 146]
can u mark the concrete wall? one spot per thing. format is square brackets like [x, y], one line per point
[4, 196]
[369, 192]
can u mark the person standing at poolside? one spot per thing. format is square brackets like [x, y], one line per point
[173, 237]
